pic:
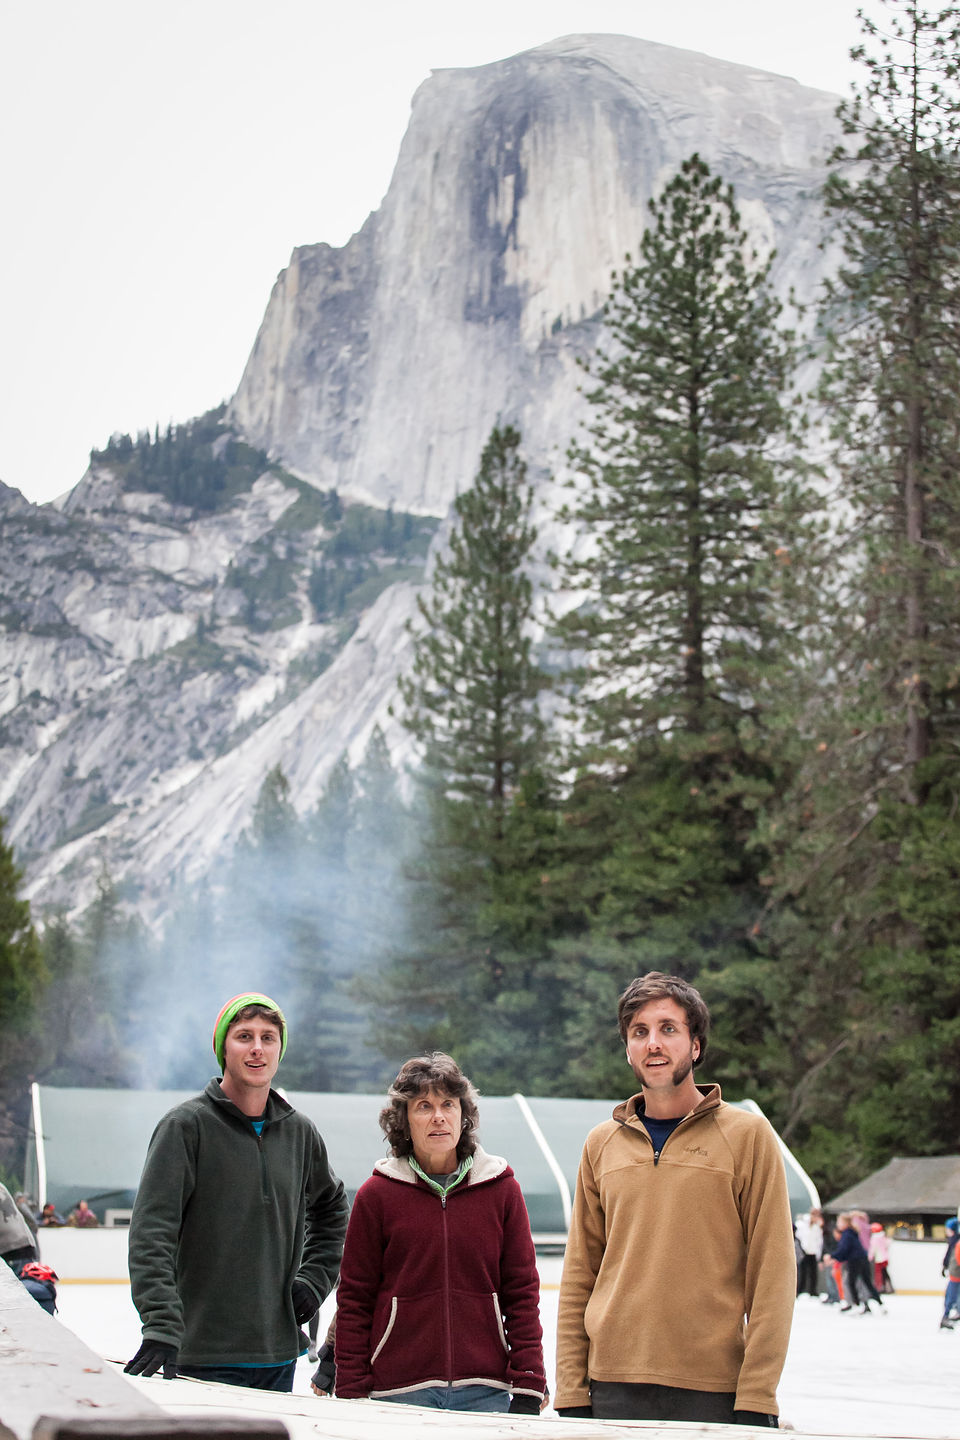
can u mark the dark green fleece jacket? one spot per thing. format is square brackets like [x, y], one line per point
[224, 1222]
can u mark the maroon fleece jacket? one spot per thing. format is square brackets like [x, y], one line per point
[438, 1291]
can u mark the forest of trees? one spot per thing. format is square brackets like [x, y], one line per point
[745, 771]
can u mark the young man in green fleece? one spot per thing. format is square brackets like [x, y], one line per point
[238, 1225]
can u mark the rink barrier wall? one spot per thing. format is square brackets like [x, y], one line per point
[50, 1382]
[99, 1257]
[86, 1257]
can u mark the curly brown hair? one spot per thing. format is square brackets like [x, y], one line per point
[436, 1071]
[657, 986]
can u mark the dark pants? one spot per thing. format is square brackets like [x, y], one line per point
[620, 1401]
[255, 1377]
[43, 1291]
[807, 1275]
[861, 1282]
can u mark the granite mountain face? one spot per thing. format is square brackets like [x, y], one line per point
[191, 616]
[519, 187]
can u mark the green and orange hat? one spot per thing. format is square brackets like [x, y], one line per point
[230, 1012]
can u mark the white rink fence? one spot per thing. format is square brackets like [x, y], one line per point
[92, 1256]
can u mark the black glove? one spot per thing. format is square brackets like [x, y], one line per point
[324, 1377]
[305, 1303]
[151, 1355]
[577, 1412]
[756, 1417]
[524, 1405]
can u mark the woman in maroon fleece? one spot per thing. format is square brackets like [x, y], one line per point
[439, 1294]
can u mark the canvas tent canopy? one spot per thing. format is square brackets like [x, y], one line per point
[90, 1144]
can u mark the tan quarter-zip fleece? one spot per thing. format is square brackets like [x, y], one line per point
[679, 1270]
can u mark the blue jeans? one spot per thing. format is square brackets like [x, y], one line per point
[950, 1296]
[255, 1377]
[455, 1397]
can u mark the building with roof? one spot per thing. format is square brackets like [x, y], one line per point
[912, 1195]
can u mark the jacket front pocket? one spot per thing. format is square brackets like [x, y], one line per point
[480, 1344]
[391, 1320]
[410, 1349]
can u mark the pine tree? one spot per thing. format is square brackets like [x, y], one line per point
[92, 1016]
[22, 973]
[274, 921]
[690, 485]
[470, 699]
[892, 377]
[274, 824]
[868, 844]
[685, 478]
[23, 979]
[479, 906]
[357, 839]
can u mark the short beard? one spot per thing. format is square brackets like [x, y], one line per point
[683, 1070]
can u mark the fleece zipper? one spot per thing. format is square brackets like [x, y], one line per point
[264, 1186]
[442, 1192]
[646, 1134]
[448, 1306]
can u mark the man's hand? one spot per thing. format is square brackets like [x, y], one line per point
[305, 1303]
[148, 1359]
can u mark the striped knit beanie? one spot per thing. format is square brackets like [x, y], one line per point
[230, 1012]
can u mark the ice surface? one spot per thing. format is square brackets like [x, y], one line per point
[884, 1374]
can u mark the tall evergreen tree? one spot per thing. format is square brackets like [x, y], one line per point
[357, 840]
[274, 824]
[92, 1010]
[869, 842]
[23, 978]
[22, 973]
[689, 483]
[893, 372]
[685, 478]
[479, 907]
[275, 920]
[470, 699]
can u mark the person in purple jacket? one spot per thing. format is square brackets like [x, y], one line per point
[439, 1294]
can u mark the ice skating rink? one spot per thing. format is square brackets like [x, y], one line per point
[884, 1374]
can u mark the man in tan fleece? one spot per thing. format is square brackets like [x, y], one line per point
[680, 1276]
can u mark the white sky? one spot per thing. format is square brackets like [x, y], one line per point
[161, 158]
